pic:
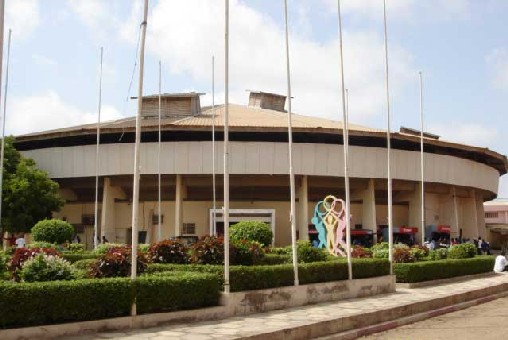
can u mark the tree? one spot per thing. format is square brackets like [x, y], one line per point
[28, 194]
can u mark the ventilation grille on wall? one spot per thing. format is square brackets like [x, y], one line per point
[189, 229]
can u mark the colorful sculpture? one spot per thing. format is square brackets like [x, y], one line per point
[330, 222]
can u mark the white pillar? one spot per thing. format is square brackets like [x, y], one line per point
[179, 193]
[303, 209]
[107, 221]
[415, 212]
[369, 209]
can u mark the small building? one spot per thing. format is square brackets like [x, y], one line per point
[496, 222]
[459, 178]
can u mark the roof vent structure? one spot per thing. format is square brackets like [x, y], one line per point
[413, 132]
[172, 105]
[265, 100]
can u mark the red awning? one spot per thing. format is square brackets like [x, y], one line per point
[406, 230]
[356, 232]
[443, 228]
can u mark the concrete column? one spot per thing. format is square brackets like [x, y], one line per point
[455, 232]
[179, 194]
[480, 217]
[302, 213]
[369, 209]
[415, 212]
[107, 221]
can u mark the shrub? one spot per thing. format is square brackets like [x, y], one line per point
[306, 253]
[4, 258]
[438, 254]
[76, 248]
[85, 264]
[419, 252]
[168, 251]
[246, 252]
[116, 262]
[380, 253]
[462, 251]
[280, 250]
[53, 231]
[144, 247]
[271, 259]
[21, 255]
[403, 255]
[73, 257]
[44, 267]
[361, 252]
[434, 270]
[105, 247]
[208, 250]
[41, 245]
[379, 246]
[251, 231]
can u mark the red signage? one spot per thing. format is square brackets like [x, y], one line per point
[443, 229]
[408, 230]
[361, 232]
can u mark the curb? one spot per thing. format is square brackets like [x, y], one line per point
[385, 326]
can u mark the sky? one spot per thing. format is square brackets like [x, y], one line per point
[460, 46]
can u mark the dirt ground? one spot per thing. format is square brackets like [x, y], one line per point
[486, 321]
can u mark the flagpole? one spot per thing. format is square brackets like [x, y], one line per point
[226, 151]
[292, 215]
[2, 7]
[96, 212]
[421, 159]
[135, 191]
[214, 214]
[345, 143]
[388, 146]
[2, 152]
[159, 210]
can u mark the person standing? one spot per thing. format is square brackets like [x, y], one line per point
[479, 245]
[500, 264]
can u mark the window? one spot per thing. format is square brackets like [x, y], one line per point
[491, 214]
[155, 219]
[189, 229]
[88, 219]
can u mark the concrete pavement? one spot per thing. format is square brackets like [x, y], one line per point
[347, 319]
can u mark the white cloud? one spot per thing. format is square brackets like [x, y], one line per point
[467, 133]
[43, 60]
[403, 9]
[257, 57]
[99, 16]
[48, 111]
[497, 64]
[22, 16]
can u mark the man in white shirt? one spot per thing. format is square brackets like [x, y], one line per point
[20, 242]
[500, 264]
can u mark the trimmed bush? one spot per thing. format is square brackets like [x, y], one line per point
[271, 259]
[41, 245]
[251, 231]
[71, 257]
[306, 253]
[246, 252]
[76, 248]
[434, 270]
[403, 255]
[208, 250]
[168, 251]
[105, 247]
[419, 252]
[85, 264]
[438, 254]
[462, 251]
[116, 262]
[4, 259]
[53, 231]
[44, 267]
[177, 290]
[262, 277]
[280, 250]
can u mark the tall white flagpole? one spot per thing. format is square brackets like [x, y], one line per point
[292, 215]
[345, 143]
[96, 212]
[214, 214]
[159, 194]
[2, 152]
[135, 191]
[388, 146]
[226, 151]
[421, 160]
[2, 7]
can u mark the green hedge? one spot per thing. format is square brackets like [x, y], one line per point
[73, 257]
[262, 277]
[271, 259]
[443, 269]
[29, 304]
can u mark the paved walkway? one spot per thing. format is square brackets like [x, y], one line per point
[311, 321]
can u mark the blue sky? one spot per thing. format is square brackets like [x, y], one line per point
[460, 45]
